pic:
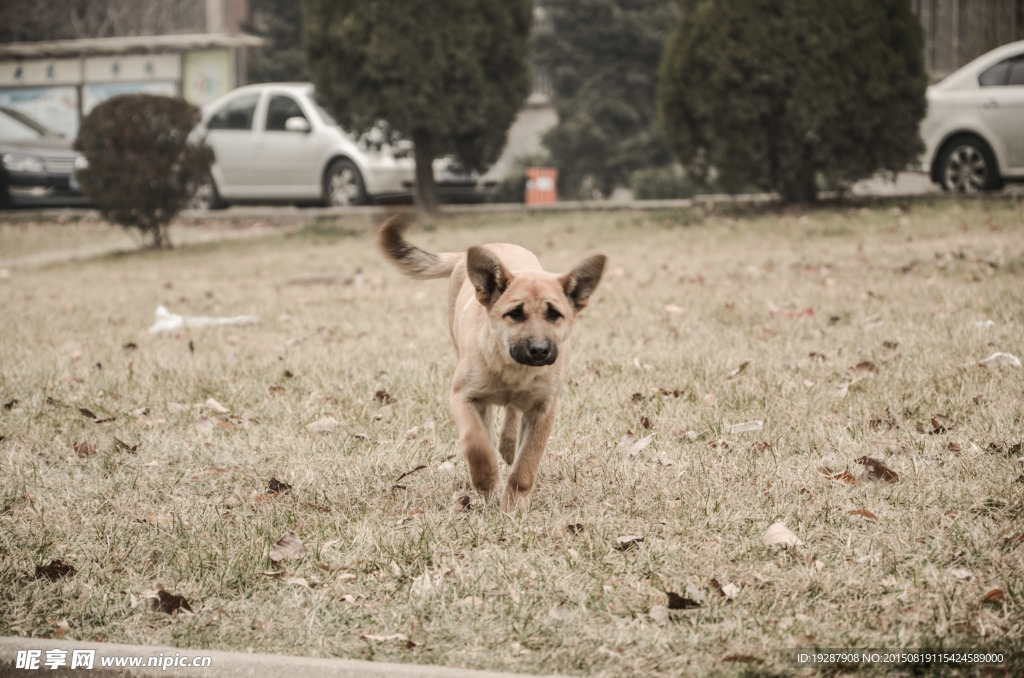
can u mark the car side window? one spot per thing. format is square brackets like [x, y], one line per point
[280, 108]
[995, 76]
[236, 114]
[1016, 72]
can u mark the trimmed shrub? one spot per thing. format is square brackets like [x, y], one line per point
[661, 183]
[790, 95]
[143, 166]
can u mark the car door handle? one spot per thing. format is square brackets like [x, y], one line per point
[991, 103]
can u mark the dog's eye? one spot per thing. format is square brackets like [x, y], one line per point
[553, 315]
[517, 314]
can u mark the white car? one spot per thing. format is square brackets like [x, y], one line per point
[974, 129]
[273, 142]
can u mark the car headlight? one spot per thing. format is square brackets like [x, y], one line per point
[16, 162]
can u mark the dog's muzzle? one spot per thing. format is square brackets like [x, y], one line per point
[535, 353]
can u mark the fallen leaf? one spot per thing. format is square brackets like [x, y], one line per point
[694, 598]
[877, 469]
[779, 534]
[55, 569]
[993, 596]
[296, 581]
[159, 518]
[61, 628]
[575, 528]
[324, 425]
[275, 486]
[736, 372]
[659, 614]
[461, 502]
[962, 574]
[845, 476]
[170, 603]
[630, 447]
[629, 541]
[941, 423]
[288, 547]
[84, 449]
[125, 447]
[215, 406]
[863, 512]
[864, 366]
[383, 397]
[728, 591]
[514, 594]
[672, 308]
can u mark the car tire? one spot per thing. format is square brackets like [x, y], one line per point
[966, 165]
[207, 197]
[343, 184]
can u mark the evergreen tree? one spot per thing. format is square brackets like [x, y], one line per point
[783, 95]
[602, 57]
[449, 76]
[283, 58]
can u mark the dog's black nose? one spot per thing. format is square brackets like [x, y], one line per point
[540, 351]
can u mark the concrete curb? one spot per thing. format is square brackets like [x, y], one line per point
[221, 664]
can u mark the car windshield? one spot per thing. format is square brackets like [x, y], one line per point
[15, 126]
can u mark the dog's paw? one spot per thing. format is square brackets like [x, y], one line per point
[513, 500]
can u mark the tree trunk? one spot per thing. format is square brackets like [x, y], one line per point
[426, 190]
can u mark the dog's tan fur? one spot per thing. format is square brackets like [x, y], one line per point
[510, 321]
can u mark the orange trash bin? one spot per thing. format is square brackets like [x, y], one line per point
[541, 185]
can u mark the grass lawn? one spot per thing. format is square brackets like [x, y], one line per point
[155, 463]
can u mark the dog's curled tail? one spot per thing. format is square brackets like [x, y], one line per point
[411, 260]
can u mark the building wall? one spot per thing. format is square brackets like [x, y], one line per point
[957, 31]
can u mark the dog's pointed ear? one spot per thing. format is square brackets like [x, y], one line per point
[580, 282]
[487, 274]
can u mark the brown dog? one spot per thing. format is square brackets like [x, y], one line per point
[510, 321]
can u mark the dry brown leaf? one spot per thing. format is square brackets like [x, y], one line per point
[170, 603]
[694, 597]
[993, 596]
[275, 486]
[383, 397]
[55, 569]
[863, 512]
[461, 502]
[877, 469]
[845, 476]
[84, 449]
[288, 547]
[941, 424]
[864, 366]
[629, 541]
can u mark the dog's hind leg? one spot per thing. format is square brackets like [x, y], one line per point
[472, 419]
[510, 434]
[536, 429]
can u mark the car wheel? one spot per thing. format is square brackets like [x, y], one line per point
[343, 184]
[967, 166]
[207, 197]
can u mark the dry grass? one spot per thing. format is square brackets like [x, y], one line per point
[860, 325]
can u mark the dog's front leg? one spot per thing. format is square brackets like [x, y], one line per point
[472, 419]
[510, 434]
[533, 439]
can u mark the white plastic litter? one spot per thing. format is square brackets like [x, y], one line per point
[169, 322]
[745, 427]
[999, 360]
